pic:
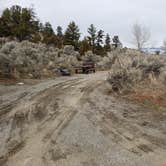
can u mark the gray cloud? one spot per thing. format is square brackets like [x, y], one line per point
[114, 17]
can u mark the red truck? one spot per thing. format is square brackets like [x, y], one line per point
[87, 67]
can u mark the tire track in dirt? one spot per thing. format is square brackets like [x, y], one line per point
[51, 125]
[76, 123]
[123, 131]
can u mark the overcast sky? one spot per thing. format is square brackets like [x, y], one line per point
[115, 17]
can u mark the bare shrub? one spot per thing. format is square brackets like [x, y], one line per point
[129, 70]
[29, 59]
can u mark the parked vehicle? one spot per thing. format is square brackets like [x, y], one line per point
[87, 67]
[64, 72]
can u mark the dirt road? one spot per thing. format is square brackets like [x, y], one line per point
[72, 121]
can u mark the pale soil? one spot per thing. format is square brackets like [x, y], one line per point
[72, 121]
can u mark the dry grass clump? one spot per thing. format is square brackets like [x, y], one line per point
[128, 70]
[143, 76]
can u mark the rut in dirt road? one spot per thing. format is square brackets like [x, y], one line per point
[74, 122]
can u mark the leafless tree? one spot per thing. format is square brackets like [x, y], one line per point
[141, 35]
[164, 43]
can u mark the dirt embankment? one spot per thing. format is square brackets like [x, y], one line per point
[72, 121]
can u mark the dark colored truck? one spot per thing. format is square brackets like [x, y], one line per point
[87, 67]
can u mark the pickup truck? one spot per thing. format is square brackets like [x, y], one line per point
[85, 68]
